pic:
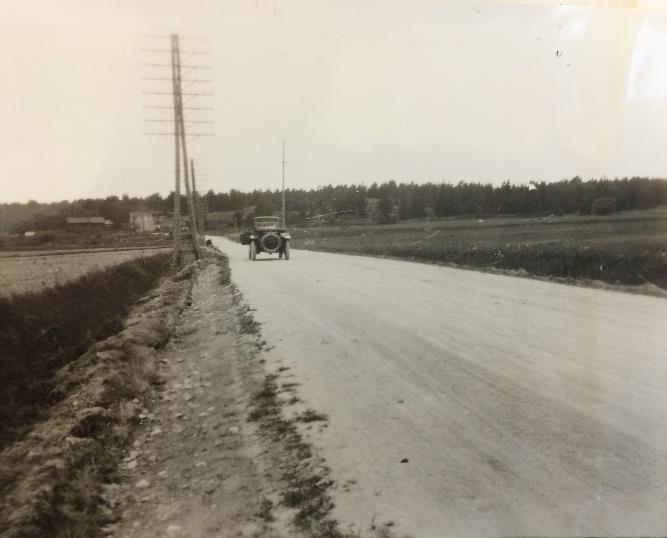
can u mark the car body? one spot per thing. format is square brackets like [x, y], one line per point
[268, 236]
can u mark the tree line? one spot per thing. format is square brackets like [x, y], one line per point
[391, 201]
[386, 202]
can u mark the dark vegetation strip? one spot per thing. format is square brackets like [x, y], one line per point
[616, 250]
[307, 489]
[58, 479]
[384, 202]
[41, 332]
[631, 266]
[307, 484]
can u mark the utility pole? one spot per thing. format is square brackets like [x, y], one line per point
[177, 157]
[178, 98]
[180, 132]
[200, 214]
[283, 212]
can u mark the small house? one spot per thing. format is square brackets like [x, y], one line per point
[143, 222]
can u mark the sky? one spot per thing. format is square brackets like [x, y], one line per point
[360, 90]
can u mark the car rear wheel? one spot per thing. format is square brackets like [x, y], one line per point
[286, 250]
[253, 251]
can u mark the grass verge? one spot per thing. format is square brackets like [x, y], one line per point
[307, 485]
[625, 249]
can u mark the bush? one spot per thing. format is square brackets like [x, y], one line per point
[604, 205]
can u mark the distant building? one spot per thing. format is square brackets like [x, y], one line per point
[143, 222]
[164, 223]
[87, 222]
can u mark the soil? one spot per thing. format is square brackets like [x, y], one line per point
[214, 455]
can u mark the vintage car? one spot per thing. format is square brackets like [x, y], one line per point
[267, 236]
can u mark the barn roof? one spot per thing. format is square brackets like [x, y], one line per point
[85, 220]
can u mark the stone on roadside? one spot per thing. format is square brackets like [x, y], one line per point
[173, 530]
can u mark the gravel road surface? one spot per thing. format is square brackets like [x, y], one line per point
[462, 403]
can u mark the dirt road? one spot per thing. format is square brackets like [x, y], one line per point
[462, 403]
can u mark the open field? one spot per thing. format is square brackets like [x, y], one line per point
[36, 271]
[628, 248]
[83, 239]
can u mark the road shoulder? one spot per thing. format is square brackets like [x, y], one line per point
[215, 454]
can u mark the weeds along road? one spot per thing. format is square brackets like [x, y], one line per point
[522, 407]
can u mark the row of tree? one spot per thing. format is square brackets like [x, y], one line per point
[386, 202]
[393, 201]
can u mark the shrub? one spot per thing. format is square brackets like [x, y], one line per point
[604, 205]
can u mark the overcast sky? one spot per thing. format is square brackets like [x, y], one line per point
[362, 91]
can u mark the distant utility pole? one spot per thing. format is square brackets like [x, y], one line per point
[283, 212]
[198, 205]
[180, 135]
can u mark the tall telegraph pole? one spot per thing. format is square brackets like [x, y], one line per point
[180, 135]
[177, 156]
[184, 148]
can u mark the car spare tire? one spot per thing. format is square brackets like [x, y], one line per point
[270, 242]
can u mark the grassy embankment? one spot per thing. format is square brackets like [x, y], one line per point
[40, 332]
[58, 479]
[627, 248]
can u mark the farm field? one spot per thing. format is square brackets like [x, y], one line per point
[628, 248]
[89, 240]
[36, 271]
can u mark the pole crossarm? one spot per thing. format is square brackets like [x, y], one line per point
[191, 135]
[185, 109]
[191, 122]
[163, 79]
[148, 64]
[189, 94]
[193, 52]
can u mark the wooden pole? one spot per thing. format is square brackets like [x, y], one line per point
[200, 215]
[184, 149]
[283, 211]
[177, 157]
